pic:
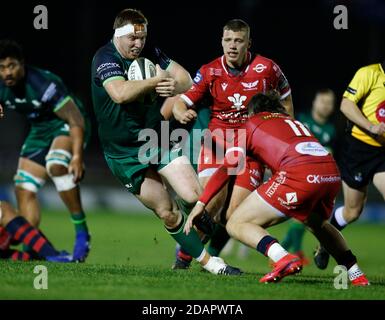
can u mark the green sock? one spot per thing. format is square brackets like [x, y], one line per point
[79, 220]
[190, 243]
[288, 240]
[298, 233]
[218, 240]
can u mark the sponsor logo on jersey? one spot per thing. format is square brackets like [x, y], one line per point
[254, 182]
[351, 90]
[380, 112]
[250, 85]
[128, 185]
[259, 68]
[311, 148]
[237, 101]
[291, 197]
[280, 179]
[49, 92]
[215, 72]
[107, 65]
[224, 85]
[314, 178]
[198, 77]
[10, 105]
[37, 104]
[17, 100]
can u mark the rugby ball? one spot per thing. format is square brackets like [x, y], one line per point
[141, 69]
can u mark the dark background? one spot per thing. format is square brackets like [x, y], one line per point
[299, 36]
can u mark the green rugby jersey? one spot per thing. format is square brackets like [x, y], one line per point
[119, 125]
[38, 96]
[325, 133]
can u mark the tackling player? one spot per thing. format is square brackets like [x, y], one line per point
[319, 124]
[304, 185]
[54, 145]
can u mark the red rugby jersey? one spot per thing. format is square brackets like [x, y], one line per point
[231, 93]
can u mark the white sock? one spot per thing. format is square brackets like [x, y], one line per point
[214, 265]
[276, 252]
[354, 272]
[339, 216]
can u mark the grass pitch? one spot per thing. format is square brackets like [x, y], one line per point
[131, 257]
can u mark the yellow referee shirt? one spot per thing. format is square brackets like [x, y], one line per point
[367, 91]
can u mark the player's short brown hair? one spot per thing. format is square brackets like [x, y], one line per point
[237, 25]
[129, 16]
[269, 102]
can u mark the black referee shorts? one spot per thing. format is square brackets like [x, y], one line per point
[359, 162]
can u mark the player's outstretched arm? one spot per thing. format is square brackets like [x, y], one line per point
[70, 113]
[1, 111]
[354, 114]
[232, 165]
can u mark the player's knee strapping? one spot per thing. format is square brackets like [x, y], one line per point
[27, 181]
[62, 158]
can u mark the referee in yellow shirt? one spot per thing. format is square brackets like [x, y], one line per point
[363, 154]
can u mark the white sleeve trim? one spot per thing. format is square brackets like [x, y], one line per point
[286, 94]
[235, 149]
[187, 100]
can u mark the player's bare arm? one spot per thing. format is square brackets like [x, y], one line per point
[122, 91]
[182, 77]
[71, 114]
[354, 114]
[182, 113]
[1, 112]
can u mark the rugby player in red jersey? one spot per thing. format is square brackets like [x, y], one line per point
[230, 81]
[304, 185]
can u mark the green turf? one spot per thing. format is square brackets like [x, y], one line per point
[132, 254]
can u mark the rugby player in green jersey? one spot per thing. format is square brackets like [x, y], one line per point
[123, 109]
[54, 145]
[15, 229]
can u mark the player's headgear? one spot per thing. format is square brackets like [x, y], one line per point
[129, 21]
